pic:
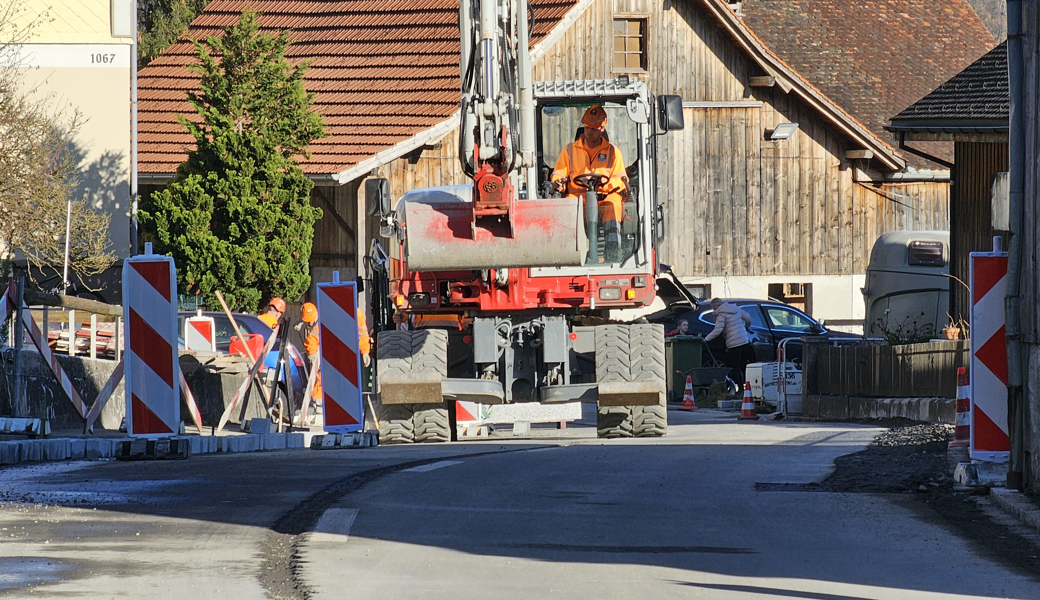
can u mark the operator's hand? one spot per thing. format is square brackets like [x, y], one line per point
[366, 359]
[560, 184]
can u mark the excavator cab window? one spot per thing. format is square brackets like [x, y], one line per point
[561, 125]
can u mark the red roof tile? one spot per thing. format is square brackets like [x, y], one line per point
[381, 71]
[873, 58]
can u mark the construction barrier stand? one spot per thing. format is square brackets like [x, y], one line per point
[988, 374]
[200, 333]
[340, 357]
[150, 320]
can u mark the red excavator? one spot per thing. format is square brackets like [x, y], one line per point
[507, 286]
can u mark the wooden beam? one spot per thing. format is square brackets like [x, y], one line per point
[763, 81]
[854, 154]
[93, 306]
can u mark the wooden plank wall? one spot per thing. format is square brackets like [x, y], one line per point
[911, 371]
[971, 230]
[737, 203]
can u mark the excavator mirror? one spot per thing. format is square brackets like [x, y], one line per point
[377, 196]
[669, 112]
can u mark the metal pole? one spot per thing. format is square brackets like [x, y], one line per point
[68, 232]
[16, 399]
[133, 135]
[1012, 302]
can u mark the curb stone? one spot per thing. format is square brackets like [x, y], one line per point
[1016, 504]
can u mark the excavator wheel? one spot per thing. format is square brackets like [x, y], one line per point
[409, 352]
[630, 353]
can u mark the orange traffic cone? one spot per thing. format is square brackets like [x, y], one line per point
[687, 397]
[747, 407]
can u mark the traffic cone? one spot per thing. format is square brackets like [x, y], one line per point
[962, 432]
[747, 407]
[687, 397]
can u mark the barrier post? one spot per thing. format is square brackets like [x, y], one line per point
[151, 367]
[988, 382]
[340, 358]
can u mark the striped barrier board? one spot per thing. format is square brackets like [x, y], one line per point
[340, 358]
[52, 361]
[200, 333]
[152, 370]
[989, 418]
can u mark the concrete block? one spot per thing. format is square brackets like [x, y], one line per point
[260, 426]
[197, 443]
[250, 443]
[19, 425]
[522, 428]
[294, 441]
[274, 441]
[330, 440]
[55, 449]
[10, 453]
[92, 449]
[77, 449]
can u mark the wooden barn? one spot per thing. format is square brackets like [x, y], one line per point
[970, 110]
[749, 214]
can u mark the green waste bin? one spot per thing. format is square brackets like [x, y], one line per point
[681, 353]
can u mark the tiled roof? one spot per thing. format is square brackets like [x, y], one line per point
[976, 97]
[381, 71]
[873, 58]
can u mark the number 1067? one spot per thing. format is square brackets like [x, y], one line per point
[99, 59]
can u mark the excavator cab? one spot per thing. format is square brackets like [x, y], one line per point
[555, 124]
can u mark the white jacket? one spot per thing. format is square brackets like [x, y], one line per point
[733, 322]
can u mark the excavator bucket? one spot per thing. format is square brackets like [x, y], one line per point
[440, 235]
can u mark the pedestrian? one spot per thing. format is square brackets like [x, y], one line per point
[273, 312]
[681, 328]
[733, 323]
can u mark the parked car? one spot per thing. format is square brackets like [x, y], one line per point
[771, 322]
[252, 324]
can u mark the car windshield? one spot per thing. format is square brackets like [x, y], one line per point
[787, 319]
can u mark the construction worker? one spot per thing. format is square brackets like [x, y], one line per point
[592, 154]
[309, 329]
[273, 313]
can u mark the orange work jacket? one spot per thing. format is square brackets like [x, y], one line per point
[578, 159]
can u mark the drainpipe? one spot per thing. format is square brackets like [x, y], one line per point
[1012, 302]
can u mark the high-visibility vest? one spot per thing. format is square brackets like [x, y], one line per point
[578, 159]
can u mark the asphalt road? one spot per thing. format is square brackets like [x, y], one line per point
[557, 515]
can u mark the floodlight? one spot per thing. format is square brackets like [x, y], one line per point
[783, 131]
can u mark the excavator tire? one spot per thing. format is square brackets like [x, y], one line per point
[405, 352]
[612, 364]
[647, 352]
[630, 353]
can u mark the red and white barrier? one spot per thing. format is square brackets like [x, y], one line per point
[340, 357]
[152, 370]
[962, 432]
[200, 333]
[989, 424]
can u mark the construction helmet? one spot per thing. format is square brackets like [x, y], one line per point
[595, 116]
[309, 313]
[278, 304]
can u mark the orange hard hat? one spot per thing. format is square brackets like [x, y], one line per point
[309, 313]
[595, 116]
[278, 304]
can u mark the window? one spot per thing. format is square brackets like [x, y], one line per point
[630, 44]
[788, 320]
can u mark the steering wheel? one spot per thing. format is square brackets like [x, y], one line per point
[590, 181]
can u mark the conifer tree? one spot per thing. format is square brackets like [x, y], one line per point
[237, 216]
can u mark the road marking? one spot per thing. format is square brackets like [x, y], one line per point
[432, 466]
[334, 525]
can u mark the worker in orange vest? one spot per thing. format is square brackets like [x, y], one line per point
[592, 154]
[309, 329]
[273, 313]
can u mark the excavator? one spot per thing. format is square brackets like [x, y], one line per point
[509, 287]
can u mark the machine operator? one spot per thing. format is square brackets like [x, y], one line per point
[592, 154]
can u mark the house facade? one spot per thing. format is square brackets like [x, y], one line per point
[80, 56]
[748, 214]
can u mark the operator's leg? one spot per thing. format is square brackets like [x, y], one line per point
[610, 214]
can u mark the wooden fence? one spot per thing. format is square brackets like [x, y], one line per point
[876, 371]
